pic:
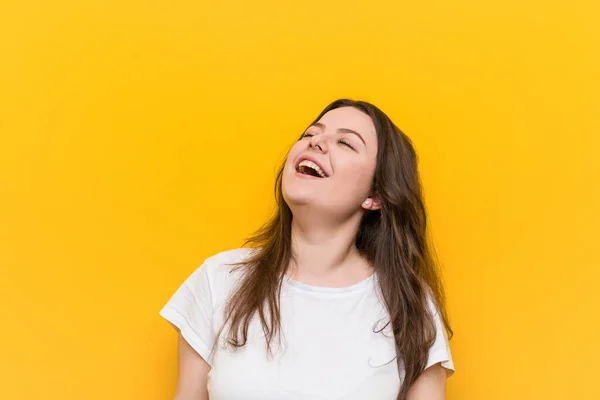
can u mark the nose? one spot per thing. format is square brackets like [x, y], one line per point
[319, 142]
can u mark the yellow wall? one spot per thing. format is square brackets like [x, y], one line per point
[139, 137]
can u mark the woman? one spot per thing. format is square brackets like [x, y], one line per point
[338, 296]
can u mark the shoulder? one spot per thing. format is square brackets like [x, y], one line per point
[226, 259]
[224, 262]
[219, 271]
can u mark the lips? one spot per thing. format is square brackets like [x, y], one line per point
[308, 163]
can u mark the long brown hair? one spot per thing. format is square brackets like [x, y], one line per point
[393, 239]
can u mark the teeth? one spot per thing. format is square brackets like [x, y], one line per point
[310, 164]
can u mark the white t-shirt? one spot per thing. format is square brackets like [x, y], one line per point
[329, 348]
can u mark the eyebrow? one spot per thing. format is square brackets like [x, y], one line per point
[341, 130]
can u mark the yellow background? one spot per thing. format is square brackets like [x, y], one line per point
[139, 137]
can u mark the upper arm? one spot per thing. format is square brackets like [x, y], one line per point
[430, 385]
[190, 310]
[192, 373]
[439, 352]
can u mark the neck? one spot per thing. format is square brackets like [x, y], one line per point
[325, 252]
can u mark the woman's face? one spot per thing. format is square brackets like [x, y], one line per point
[331, 167]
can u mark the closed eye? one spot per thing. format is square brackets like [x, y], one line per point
[346, 143]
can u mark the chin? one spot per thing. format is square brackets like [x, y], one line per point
[299, 192]
[296, 197]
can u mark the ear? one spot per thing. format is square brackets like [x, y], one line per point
[372, 203]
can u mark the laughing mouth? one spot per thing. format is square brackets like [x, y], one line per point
[307, 167]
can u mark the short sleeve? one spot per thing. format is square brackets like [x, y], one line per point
[440, 350]
[190, 309]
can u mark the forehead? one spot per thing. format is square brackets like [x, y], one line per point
[350, 118]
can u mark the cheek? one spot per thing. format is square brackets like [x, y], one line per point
[292, 155]
[359, 169]
[289, 169]
[356, 176]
